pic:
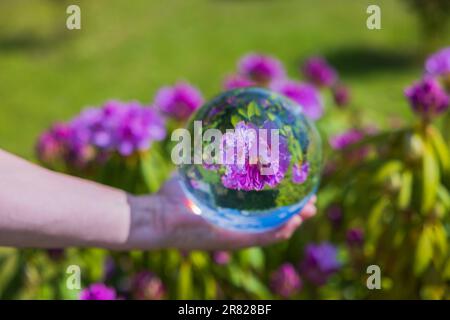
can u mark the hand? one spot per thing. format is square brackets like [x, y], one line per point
[164, 220]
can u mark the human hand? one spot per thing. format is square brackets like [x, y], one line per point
[164, 220]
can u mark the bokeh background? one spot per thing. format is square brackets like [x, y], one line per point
[127, 50]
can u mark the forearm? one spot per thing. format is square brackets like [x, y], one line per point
[41, 208]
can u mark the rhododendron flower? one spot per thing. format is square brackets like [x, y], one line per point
[116, 126]
[178, 101]
[320, 262]
[285, 281]
[335, 214]
[355, 237]
[427, 97]
[98, 291]
[261, 68]
[341, 95]
[237, 81]
[438, 64]
[300, 172]
[147, 286]
[343, 140]
[304, 94]
[249, 174]
[138, 128]
[348, 138]
[51, 144]
[221, 257]
[318, 71]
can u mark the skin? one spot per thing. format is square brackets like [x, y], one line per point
[40, 208]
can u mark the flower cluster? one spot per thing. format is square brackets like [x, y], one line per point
[343, 140]
[221, 257]
[285, 281]
[318, 71]
[98, 291]
[355, 237]
[261, 68]
[115, 127]
[320, 262]
[438, 64]
[147, 286]
[427, 98]
[178, 101]
[430, 96]
[349, 138]
[266, 71]
[304, 94]
[249, 175]
[318, 265]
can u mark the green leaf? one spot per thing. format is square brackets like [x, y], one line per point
[444, 196]
[271, 116]
[424, 251]
[441, 148]
[430, 179]
[440, 238]
[210, 287]
[253, 109]
[185, 281]
[446, 272]
[374, 222]
[253, 257]
[153, 168]
[253, 285]
[235, 119]
[243, 112]
[199, 259]
[404, 197]
[388, 170]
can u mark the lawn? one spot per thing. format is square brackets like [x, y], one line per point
[127, 50]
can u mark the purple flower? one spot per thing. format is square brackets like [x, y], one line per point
[96, 132]
[300, 172]
[438, 64]
[98, 291]
[261, 68]
[355, 237]
[237, 81]
[349, 138]
[318, 71]
[138, 128]
[248, 173]
[285, 281]
[320, 262]
[341, 95]
[335, 214]
[51, 144]
[427, 97]
[304, 94]
[99, 126]
[221, 257]
[147, 286]
[179, 101]
[343, 140]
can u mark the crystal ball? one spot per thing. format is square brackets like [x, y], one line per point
[254, 161]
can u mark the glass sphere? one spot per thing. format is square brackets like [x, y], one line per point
[258, 168]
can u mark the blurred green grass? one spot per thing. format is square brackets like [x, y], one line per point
[126, 50]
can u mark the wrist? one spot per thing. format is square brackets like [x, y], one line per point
[147, 228]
